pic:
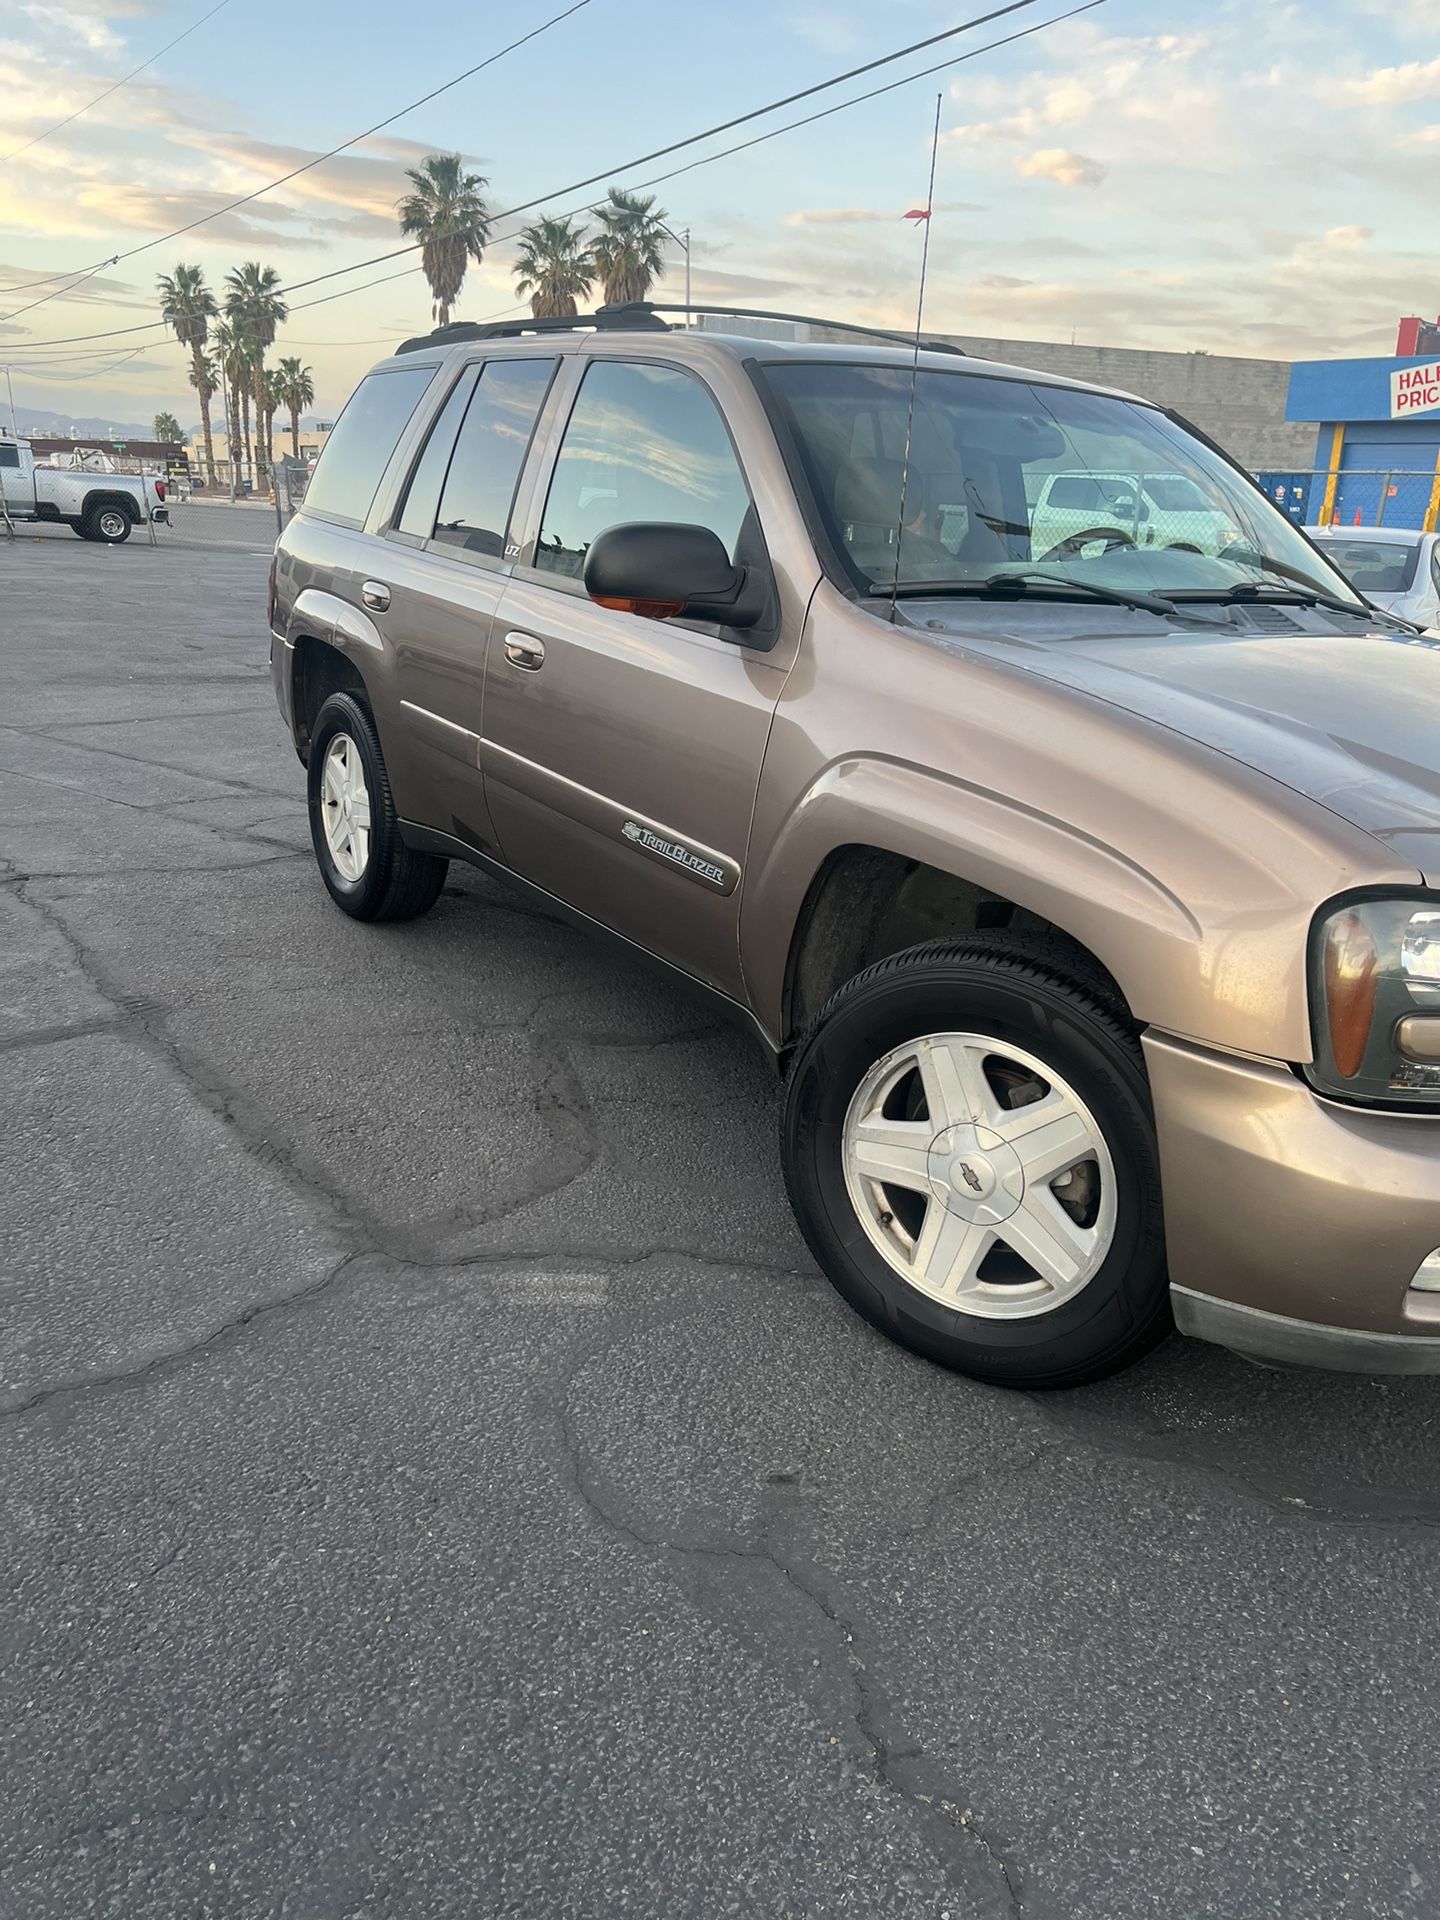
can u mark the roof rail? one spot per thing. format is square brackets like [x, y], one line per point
[643, 316]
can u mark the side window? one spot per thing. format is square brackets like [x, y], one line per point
[9, 456]
[485, 467]
[422, 497]
[366, 434]
[642, 443]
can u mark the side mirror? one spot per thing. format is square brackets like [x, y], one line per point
[659, 569]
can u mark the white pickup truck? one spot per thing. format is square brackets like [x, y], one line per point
[99, 506]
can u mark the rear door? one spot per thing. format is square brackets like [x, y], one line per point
[445, 570]
[622, 754]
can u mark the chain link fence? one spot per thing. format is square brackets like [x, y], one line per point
[1359, 497]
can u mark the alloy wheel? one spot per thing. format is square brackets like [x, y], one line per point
[345, 800]
[980, 1175]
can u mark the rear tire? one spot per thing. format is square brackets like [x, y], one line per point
[109, 525]
[1005, 1011]
[377, 877]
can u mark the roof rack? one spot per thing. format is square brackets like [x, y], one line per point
[643, 316]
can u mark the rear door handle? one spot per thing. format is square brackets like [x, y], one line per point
[376, 595]
[523, 650]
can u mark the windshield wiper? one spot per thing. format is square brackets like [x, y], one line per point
[1004, 586]
[1278, 595]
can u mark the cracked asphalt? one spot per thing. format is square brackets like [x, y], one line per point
[435, 1480]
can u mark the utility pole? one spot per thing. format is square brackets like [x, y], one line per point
[682, 240]
[9, 388]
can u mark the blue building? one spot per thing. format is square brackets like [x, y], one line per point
[1377, 459]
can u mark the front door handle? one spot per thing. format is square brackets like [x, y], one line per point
[524, 651]
[376, 595]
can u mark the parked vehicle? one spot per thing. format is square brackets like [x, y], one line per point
[99, 506]
[1090, 897]
[1166, 509]
[1394, 569]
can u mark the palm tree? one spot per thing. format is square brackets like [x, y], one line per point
[630, 247]
[297, 392]
[231, 353]
[448, 215]
[187, 306]
[207, 380]
[252, 300]
[167, 428]
[274, 400]
[554, 267]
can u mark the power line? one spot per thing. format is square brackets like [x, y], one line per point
[659, 153]
[358, 266]
[320, 159]
[26, 145]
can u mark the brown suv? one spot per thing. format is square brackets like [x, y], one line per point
[1086, 878]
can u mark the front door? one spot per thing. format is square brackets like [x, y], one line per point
[622, 754]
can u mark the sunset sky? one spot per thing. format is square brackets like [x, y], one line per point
[1255, 179]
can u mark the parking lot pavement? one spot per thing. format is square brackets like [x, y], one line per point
[436, 1482]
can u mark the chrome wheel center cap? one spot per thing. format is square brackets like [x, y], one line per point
[975, 1174]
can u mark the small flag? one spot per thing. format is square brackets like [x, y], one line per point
[917, 213]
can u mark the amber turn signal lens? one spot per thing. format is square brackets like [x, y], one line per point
[1350, 984]
[647, 609]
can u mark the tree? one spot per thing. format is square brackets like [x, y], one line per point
[206, 378]
[253, 303]
[629, 250]
[187, 307]
[448, 215]
[274, 400]
[231, 355]
[554, 267]
[297, 392]
[167, 427]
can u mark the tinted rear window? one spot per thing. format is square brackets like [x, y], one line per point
[485, 467]
[366, 434]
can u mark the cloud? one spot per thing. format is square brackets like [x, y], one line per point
[1390, 86]
[1066, 169]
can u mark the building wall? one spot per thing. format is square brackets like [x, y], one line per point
[1239, 402]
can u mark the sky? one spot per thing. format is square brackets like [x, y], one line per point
[1225, 175]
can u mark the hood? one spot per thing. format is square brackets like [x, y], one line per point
[1350, 718]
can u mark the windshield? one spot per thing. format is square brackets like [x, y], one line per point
[1005, 476]
[1376, 566]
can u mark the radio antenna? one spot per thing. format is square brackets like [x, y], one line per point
[917, 213]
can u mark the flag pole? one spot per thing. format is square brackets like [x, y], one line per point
[915, 359]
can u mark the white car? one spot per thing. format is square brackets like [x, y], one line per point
[1072, 510]
[1395, 568]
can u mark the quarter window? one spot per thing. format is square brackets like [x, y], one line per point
[642, 443]
[485, 467]
[366, 434]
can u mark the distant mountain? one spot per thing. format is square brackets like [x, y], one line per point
[76, 426]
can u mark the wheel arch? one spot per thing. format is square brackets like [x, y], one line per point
[866, 902]
[334, 647]
[878, 856]
[97, 502]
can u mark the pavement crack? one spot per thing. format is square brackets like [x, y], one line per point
[898, 1763]
[91, 1385]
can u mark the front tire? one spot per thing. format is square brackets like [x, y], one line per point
[370, 872]
[970, 1153]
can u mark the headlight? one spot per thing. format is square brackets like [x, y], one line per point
[1375, 1001]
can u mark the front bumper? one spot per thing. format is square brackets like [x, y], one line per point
[1296, 1226]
